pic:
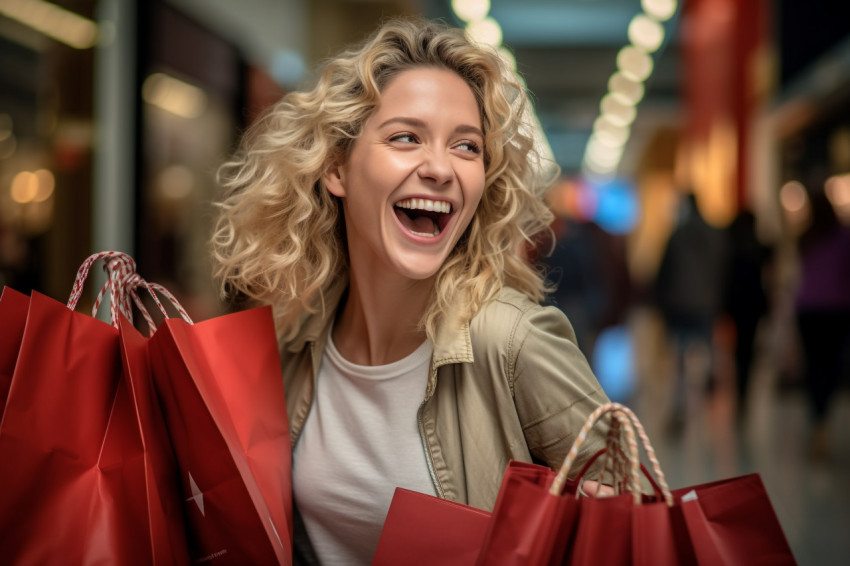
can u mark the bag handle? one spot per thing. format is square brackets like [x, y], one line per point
[133, 281]
[629, 421]
[122, 284]
[118, 266]
[617, 464]
[625, 425]
[650, 453]
[656, 489]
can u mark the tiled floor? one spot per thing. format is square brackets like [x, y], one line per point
[811, 496]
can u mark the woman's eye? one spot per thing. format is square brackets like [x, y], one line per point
[404, 138]
[469, 146]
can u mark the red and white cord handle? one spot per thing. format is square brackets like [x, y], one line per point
[122, 284]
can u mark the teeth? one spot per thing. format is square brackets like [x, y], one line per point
[425, 204]
[434, 235]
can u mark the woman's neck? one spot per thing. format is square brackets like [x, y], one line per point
[379, 321]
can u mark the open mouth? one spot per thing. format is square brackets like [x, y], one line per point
[423, 217]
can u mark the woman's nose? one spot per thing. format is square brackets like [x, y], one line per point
[437, 168]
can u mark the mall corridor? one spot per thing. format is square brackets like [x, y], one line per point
[809, 490]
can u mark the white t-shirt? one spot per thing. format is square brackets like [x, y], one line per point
[360, 441]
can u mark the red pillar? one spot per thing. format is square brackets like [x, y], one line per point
[723, 42]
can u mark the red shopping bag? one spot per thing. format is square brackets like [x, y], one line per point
[527, 521]
[13, 317]
[73, 455]
[538, 522]
[221, 389]
[729, 522]
[423, 530]
[166, 523]
[732, 522]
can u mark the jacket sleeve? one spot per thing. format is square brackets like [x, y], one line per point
[554, 388]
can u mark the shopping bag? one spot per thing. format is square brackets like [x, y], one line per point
[423, 530]
[522, 506]
[540, 522]
[729, 522]
[221, 388]
[72, 454]
[166, 523]
[537, 516]
[13, 317]
[732, 522]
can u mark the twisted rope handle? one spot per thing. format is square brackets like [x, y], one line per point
[650, 453]
[128, 283]
[631, 444]
[154, 288]
[614, 462]
[83, 272]
[627, 420]
[118, 267]
[122, 284]
[119, 271]
[617, 462]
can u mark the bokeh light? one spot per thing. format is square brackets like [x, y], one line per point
[645, 33]
[661, 10]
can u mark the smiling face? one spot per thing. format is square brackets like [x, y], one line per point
[413, 179]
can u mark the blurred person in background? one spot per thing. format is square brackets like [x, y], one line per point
[383, 214]
[689, 293]
[746, 296]
[822, 306]
[574, 267]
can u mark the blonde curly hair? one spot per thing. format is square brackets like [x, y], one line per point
[280, 238]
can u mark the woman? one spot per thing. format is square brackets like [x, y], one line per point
[383, 214]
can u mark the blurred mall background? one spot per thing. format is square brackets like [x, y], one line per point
[114, 115]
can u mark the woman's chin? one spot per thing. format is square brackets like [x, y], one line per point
[419, 268]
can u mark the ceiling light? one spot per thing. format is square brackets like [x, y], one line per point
[629, 90]
[645, 33]
[603, 154]
[610, 138]
[28, 186]
[24, 187]
[174, 95]
[46, 183]
[471, 10]
[486, 31]
[661, 10]
[617, 112]
[634, 63]
[604, 125]
[53, 21]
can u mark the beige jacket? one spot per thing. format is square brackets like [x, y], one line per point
[510, 384]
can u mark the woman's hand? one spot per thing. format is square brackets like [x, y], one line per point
[593, 488]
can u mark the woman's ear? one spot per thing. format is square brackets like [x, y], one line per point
[334, 181]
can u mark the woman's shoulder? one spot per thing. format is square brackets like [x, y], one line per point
[512, 315]
[516, 304]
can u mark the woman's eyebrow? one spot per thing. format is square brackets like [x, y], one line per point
[464, 129]
[417, 123]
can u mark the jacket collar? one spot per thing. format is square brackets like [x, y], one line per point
[315, 326]
[452, 343]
